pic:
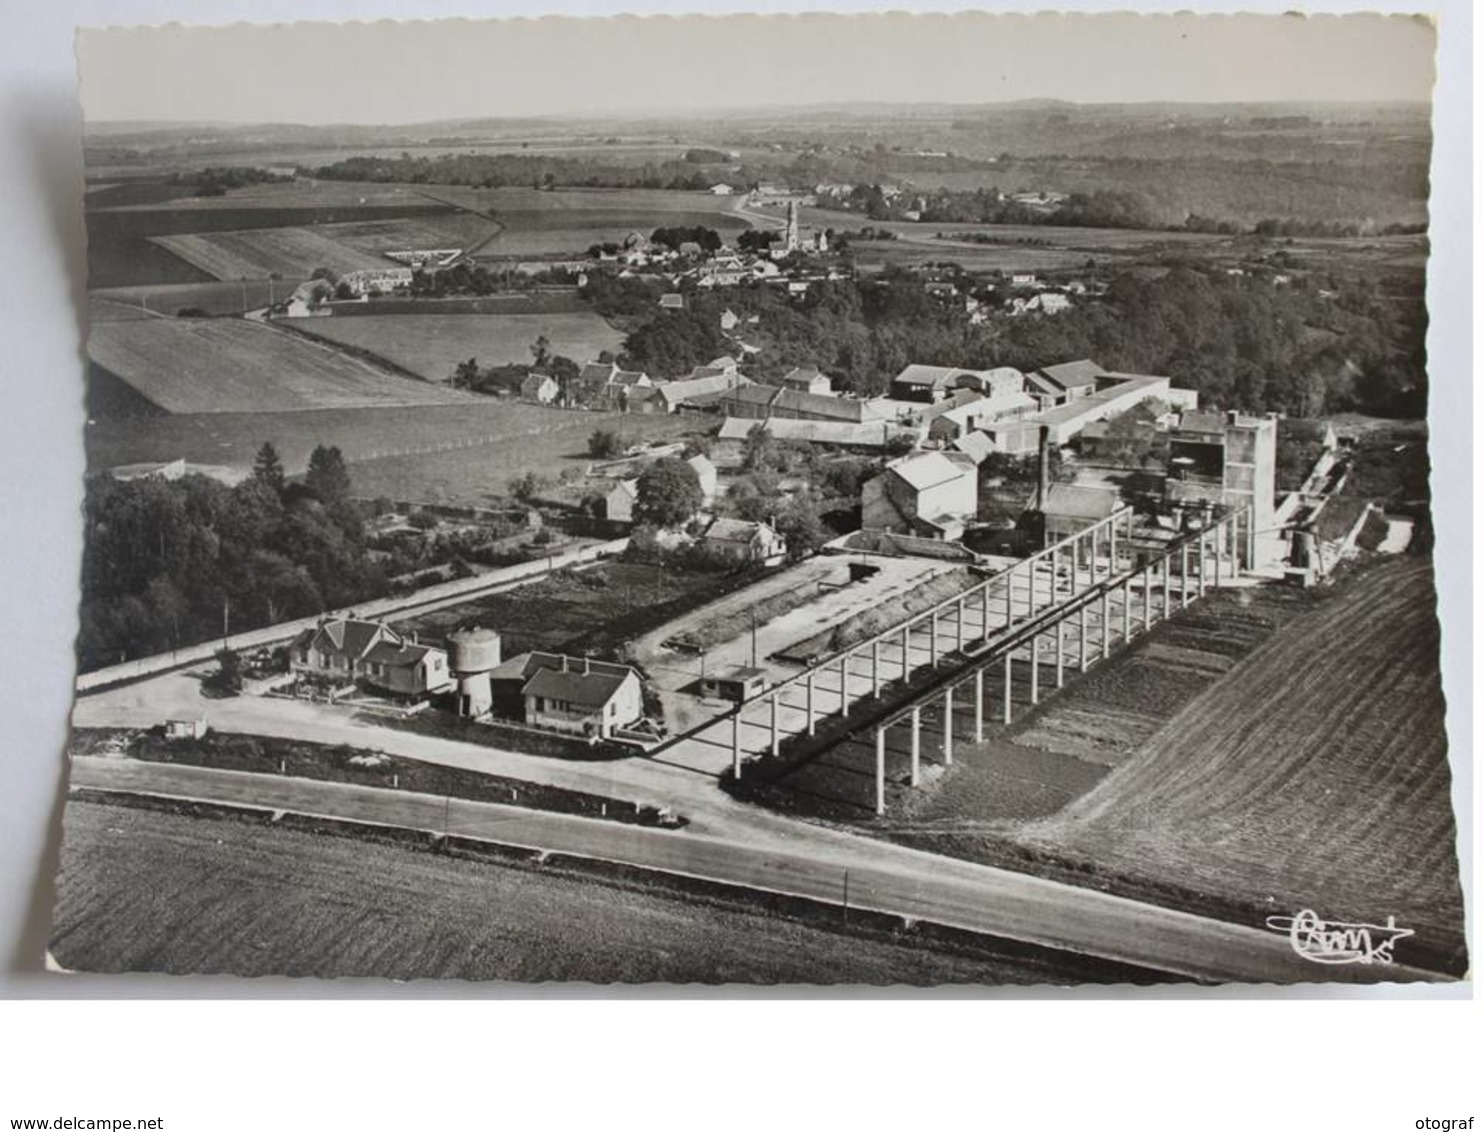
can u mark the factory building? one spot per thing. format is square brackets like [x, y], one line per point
[1228, 459]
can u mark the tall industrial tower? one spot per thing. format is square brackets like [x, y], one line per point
[791, 233]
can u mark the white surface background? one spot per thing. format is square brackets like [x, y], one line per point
[1044, 1063]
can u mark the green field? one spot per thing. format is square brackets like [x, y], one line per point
[431, 345]
[149, 891]
[232, 366]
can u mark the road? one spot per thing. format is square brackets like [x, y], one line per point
[881, 877]
[422, 601]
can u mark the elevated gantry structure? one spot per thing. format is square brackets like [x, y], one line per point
[1034, 613]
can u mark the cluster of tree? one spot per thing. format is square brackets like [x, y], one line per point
[756, 239]
[674, 343]
[168, 564]
[215, 180]
[496, 170]
[507, 378]
[706, 238]
[700, 156]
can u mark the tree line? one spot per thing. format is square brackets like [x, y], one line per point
[172, 563]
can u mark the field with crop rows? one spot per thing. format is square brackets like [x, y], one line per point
[150, 891]
[1314, 775]
[431, 345]
[233, 366]
[259, 252]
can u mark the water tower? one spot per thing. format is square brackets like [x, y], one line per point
[472, 654]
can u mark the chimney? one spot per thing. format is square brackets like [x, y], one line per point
[586, 664]
[1043, 479]
[564, 662]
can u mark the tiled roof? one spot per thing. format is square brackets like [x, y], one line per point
[585, 689]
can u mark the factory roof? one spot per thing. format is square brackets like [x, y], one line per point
[1070, 375]
[1072, 501]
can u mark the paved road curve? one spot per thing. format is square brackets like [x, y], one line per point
[881, 877]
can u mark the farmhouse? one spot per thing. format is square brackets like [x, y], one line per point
[932, 494]
[371, 653]
[807, 379]
[743, 542]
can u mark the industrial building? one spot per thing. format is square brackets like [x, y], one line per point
[931, 494]
[1228, 459]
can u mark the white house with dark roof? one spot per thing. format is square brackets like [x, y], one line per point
[930, 494]
[575, 695]
[744, 542]
[349, 650]
[807, 379]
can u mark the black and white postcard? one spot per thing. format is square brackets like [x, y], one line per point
[837, 500]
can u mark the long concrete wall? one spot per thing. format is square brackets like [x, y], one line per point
[423, 601]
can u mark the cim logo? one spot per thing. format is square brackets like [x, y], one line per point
[1322, 941]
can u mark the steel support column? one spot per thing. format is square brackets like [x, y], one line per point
[876, 670]
[1008, 666]
[979, 705]
[1035, 670]
[984, 610]
[947, 726]
[845, 685]
[736, 746]
[916, 746]
[809, 699]
[1061, 644]
[1082, 638]
[906, 648]
[1127, 610]
[880, 771]
[1106, 627]
[773, 723]
[1147, 616]
[933, 638]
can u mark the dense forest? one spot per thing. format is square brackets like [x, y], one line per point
[171, 563]
[1302, 346]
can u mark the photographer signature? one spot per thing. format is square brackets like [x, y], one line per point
[1322, 941]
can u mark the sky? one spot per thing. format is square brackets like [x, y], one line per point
[390, 73]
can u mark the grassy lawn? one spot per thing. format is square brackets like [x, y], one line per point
[431, 345]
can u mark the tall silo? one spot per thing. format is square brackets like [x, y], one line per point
[472, 654]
